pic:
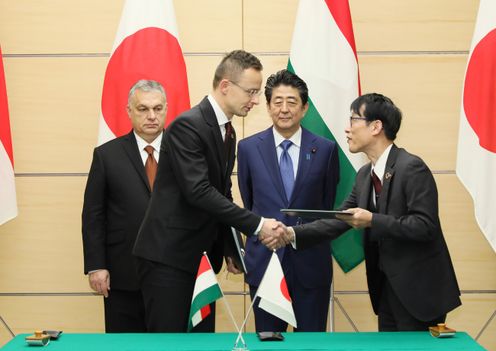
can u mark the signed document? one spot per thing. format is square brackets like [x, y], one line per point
[314, 213]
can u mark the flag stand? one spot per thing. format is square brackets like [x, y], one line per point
[240, 330]
[229, 311]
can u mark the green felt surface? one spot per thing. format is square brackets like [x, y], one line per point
[407, 341]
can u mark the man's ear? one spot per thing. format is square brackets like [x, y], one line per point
[305, 108]
[224, 85]
[378, 127]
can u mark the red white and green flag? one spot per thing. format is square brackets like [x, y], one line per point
[8, 201]
[146, 47]
[274, 294]
[476, 159]
[323, 54]
[206, 291]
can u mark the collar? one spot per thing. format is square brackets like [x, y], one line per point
[142, 142]
[219, 114]
[295, 138]
[380, 166]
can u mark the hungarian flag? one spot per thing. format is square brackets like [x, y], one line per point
[146, 47]
[476, 160]
[206, 291]
[274, 294]
[8, 202]
[323, 54]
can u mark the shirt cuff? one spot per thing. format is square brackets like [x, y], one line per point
[96, 270]
[259, 228]
[293, 234]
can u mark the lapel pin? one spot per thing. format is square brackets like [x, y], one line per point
[314, 150]
[387, 175]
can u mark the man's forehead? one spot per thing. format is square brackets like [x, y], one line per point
[361, 109]
[285, 90]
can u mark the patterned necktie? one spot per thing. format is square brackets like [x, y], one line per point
[150, 165]
[377, 185]
[229, 139]
[286, 168]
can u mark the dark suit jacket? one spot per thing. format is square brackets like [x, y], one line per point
[405, 239]
[115, 200]
[191, 205]
[263, 192]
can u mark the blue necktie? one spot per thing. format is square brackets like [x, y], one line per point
[286, 168]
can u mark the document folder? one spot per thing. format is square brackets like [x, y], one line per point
[296, 212]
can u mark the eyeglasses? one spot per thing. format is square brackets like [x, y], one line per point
[251, 92]
[353, 118]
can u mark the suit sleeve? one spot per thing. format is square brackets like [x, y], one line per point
[94, 216]
[332, 178]
[191, 169]
[311, 234]
[420, 221]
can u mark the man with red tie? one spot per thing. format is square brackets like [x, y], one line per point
[191, 210]
[410, 276]
[117, 193]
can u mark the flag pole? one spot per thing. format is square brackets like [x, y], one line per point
[228, 308]
[331, 308]
[251, 307]
[246, 318]
[252, 303]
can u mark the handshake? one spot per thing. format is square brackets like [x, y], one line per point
[275, 234]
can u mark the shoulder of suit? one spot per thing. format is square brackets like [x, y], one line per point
[116, 142]
[256, 137]
[403, 156]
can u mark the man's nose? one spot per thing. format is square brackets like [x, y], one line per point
[255, 99]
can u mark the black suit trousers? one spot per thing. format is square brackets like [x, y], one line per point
[124, 312]
[393, 316]
[167, 293]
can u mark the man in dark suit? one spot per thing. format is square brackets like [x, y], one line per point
[191, 208]
[115, 200]
[411, 280]
[313, 177]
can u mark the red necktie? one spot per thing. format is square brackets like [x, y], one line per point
[150, 165]
[377, 185]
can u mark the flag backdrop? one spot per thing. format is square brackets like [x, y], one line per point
[323, 54]
[476, 160]
[8, 202]
[206, 291]
[274, 294]
[146, 47]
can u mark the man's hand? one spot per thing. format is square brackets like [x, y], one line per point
[274, 234]
[231, 267]
[100, 281]
[361, 218]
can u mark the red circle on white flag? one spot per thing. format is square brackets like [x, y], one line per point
[284, 289]
[150, 53]
[479, 94]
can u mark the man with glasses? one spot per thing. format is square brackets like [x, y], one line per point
[191, 210]
[411, 280]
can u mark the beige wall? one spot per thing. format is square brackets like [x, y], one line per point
[55, 54]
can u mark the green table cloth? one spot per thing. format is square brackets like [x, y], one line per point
[406, 341]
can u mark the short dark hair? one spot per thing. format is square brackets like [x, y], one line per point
[285, 77]
[233, 65]
[382, 108]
